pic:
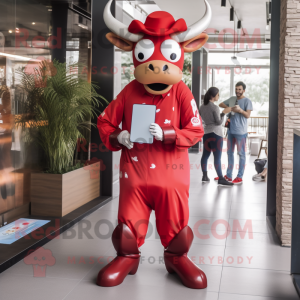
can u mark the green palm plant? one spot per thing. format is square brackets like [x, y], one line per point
[60, 106]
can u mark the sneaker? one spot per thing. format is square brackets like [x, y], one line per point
[237, 180]
[258, 177]
[227, 178]
[223, 182]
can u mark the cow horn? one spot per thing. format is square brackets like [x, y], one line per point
[196, 28]
[118, 27]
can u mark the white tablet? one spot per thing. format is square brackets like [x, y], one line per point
[142, 117]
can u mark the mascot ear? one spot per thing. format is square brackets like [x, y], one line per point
[195, 43]
[119, 42]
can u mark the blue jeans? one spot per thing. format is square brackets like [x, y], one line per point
[212, 143]
[240, 141]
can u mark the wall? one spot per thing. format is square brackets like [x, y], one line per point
[288, 113]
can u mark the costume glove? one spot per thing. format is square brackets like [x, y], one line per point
[124, 139]
[156, 131]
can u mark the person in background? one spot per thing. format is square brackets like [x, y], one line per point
[237, 133]
[263, 175]
[213, 134]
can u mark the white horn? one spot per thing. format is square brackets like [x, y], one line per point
[118, 27]
[196, 28]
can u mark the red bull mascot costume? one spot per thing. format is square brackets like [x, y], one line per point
[154, 176]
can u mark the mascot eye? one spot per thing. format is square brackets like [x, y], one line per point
[171, 50]
[143, 50]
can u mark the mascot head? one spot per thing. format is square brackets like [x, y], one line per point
[158, 46]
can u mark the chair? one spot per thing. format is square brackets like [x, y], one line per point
[262, 147]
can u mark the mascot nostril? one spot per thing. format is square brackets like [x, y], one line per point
[151, 67]
[157, 174]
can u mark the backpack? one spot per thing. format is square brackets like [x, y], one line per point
[259, 164]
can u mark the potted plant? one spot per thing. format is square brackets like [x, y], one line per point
[59, 107]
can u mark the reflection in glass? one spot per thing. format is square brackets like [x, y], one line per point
[28, 36]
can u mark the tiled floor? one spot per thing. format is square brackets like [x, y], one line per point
[233, 244]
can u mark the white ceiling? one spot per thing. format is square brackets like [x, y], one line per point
[251, 13]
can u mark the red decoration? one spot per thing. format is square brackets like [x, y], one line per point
[159, 23]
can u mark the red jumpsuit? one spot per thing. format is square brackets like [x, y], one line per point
[154, 176]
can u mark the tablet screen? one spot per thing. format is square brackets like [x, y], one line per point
[142, 116]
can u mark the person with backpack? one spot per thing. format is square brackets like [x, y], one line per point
[262, 174]
[213, 134]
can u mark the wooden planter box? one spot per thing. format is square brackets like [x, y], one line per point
[56, 195]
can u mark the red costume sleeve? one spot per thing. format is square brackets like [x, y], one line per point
[191, 130]
[108, 122]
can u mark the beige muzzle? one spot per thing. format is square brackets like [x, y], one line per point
[158, 71]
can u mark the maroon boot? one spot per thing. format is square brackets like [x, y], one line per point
[127, 260]
[177, 261]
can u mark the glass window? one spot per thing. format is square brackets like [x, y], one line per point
[222, 82]
[77, 48]
[187, 70]
[257, 90]
[31, 31]
[221, 59]
[127, 73]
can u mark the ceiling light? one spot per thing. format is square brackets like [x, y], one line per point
[10, 31]
[256, 54]
[223, 3]
[19, 57]
[239, 24]
[231, 14]
[83, 26]
[268, 14]
[33, 23]
[235, 60]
